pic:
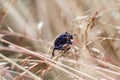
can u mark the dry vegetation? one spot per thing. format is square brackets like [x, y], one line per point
[29, 27]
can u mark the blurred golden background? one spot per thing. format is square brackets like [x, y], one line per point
[34, 24]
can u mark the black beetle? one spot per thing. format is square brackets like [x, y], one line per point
[61, 41]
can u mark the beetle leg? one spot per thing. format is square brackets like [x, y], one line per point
[52, 53]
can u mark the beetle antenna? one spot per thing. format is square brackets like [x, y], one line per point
[74, 34]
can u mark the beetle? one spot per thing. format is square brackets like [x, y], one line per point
[63, 42]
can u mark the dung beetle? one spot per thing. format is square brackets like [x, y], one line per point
[62, 42]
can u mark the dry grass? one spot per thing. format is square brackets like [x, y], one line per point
[28, 29]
